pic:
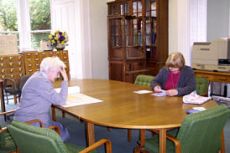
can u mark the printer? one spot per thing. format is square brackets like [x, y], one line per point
[213, 56]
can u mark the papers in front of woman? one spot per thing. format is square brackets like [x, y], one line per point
[194, 98]
[160, 94]
[71, 90]
[79, 99]
[75, 98]
[143, 91]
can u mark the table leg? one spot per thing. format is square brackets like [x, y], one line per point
[162, 140]
[90, 133]
[142, 138]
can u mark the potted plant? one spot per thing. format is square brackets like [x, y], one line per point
[58, 40]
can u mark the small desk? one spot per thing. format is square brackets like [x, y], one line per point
[214, 76]
[121, 108]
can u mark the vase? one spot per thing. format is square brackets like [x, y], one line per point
[60, 47]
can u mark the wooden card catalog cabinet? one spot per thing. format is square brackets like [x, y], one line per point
[33, 59]
[32, 62]
[17, 65]
[11, 66]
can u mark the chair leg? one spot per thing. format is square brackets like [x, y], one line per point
[7, 98]
[63, 114]
[222, 148]
[129, 135]
[15, 99]
[139, 149]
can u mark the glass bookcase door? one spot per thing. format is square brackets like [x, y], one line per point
[151, 29]
[116, 32]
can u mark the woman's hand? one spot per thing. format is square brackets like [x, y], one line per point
[157, 89]
[172, 92]
[63, 73]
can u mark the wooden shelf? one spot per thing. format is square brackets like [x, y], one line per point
[140, 28]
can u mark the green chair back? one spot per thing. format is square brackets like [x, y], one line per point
[202, 86]
[144, 80]
[31, 139]
[199, 132]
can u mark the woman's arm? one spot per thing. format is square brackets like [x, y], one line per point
[187, 82]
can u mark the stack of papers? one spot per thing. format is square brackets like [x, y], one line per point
[75, 98]
[79, 99]
[71, 90]
[194, 98]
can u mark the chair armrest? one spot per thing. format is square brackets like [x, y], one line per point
[35, 121]
[55, 128]
[108, 146]
[176, 142]
[8, 112]
[173, 139]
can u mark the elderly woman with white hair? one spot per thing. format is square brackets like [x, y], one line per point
[38, 94]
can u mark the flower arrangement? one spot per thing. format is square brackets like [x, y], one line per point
[58, 39]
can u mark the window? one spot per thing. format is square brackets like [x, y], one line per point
[40, 21]
[39, 16]
[8, 19]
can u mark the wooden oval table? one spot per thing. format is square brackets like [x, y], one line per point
[122, 108]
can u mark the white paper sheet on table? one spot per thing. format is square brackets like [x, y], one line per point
[75, 98]
[79, 99]
[71, 90]
[143, 91]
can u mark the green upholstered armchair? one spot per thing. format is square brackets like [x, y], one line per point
[144, 80]
[6, 142]
[202, 86]
[199, 133]
[31, 139]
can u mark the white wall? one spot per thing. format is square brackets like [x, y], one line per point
[186, 25]
[65, 16]
[99, 48]
[218, 19]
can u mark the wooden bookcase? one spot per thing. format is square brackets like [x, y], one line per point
[137, 37]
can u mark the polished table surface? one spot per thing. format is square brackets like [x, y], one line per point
[122, 108]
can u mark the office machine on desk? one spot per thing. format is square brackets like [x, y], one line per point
[212, 56]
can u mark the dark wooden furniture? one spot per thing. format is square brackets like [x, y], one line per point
[3, 107]
[122, 108]
[214, 76]
[137, 37]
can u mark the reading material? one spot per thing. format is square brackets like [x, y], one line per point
[143, 91]
[160, 94]
[79, 99]
[194, 98]
[75, 98]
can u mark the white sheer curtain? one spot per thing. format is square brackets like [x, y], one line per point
[189, 24]
[72, 16]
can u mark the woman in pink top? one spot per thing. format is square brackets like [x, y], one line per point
[176, 78]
